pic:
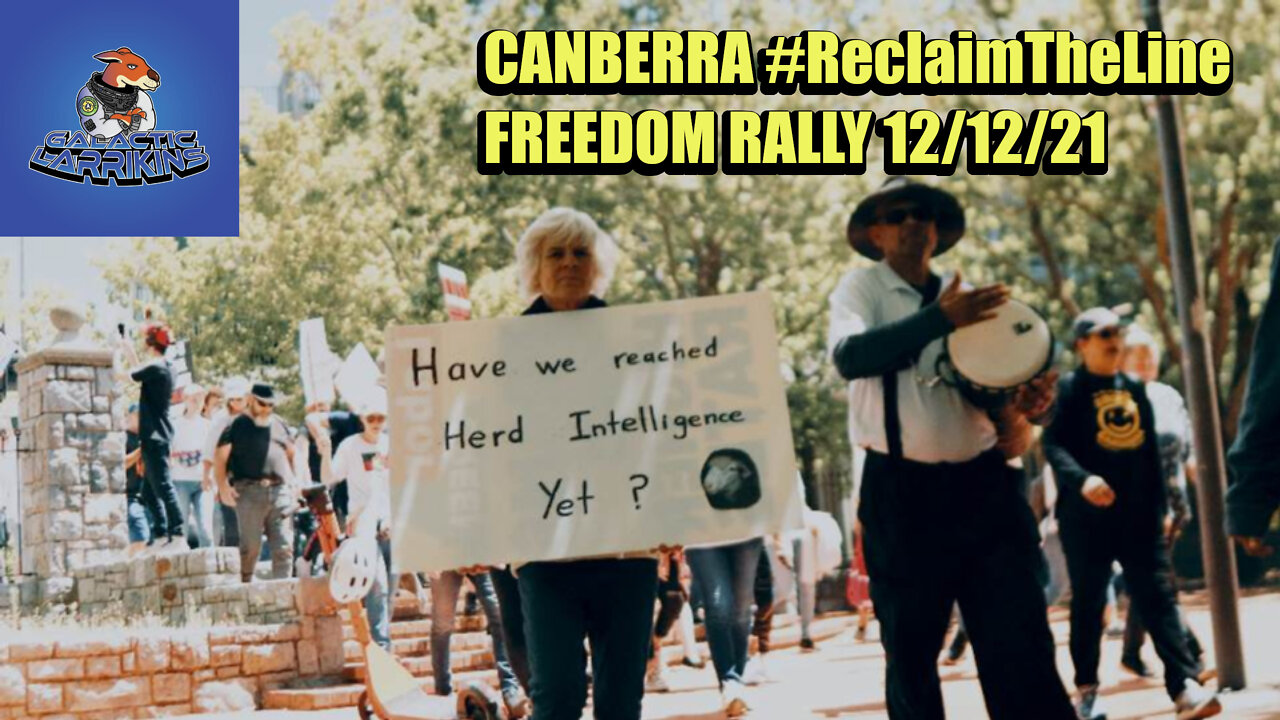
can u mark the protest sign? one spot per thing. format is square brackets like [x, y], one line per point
[457, 299]
[358, 377]
[316, 362]
[180, 360]
[588, 433]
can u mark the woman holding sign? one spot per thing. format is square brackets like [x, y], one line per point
[563, 257]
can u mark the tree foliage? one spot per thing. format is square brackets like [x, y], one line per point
[346, 211]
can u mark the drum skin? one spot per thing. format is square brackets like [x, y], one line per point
[991, 359]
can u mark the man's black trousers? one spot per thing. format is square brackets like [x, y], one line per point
[939, 534]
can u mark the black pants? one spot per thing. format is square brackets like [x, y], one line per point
[508, 590]
[165, 513]
[1135, 634]
[939, 534]
[1137, 543]
[608, 603]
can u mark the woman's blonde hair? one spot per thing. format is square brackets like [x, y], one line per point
[565, 224]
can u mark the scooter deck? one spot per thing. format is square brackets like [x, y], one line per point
[396, 694]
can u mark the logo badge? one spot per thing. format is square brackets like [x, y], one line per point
[120, 143]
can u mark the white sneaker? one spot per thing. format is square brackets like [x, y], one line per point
[1195, 701]
[734, 696]
[656, 682]
[757, 672]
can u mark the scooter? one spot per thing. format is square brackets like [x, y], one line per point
[391, 691]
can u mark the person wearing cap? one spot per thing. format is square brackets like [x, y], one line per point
[1112, 500]
[322, 419]
[1254, 494]
[935, 474]
[253, 467]
[361, 461]
[155, 429]
[236, 392]
[1173, 437]
[190, 430]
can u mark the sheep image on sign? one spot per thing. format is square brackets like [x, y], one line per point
[589, 433]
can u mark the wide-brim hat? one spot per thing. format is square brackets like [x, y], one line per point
[264, 393]
[948, 215]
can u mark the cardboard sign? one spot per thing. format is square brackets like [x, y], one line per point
[358, 377]
[588, 433]
[457, 299]
[183, 375]
[316, 361]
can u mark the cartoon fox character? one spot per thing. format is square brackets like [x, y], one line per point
[116, 100]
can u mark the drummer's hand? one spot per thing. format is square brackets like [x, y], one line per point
[1098, 492]
[967, 307]
[1035, 398]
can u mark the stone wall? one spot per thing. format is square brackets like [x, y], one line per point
[113, 673]
[201, 586]
[71, 458]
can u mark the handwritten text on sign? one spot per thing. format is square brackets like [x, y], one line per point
[588, 433]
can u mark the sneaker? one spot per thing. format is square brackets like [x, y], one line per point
[1135, 666]
[734, 695]
[656, 682]
[1087, 704]
[1196, 701]
[756, 672]
[516, 702]
[806, 645]
[696, 664]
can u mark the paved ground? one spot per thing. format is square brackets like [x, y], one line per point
[844, 679]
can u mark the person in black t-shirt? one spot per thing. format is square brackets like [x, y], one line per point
[253, 466]
[1111, 506]
[156, 431]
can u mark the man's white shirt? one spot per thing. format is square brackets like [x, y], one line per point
[938, 425]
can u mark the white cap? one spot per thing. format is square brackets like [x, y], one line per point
[235, 387]
[374, 402]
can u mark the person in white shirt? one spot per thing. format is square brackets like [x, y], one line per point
[236, 391]
[361, 460]
[190, 433]
[942, 521]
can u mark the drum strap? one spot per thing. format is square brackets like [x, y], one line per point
[889, 381]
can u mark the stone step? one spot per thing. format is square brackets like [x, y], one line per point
[416, 628]
[421, 646]
[464, 661]
[348, 694]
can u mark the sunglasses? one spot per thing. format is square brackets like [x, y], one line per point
[899, 215]
[1111, 332]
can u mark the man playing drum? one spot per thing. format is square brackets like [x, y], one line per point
[1111, 505]
[942, 519]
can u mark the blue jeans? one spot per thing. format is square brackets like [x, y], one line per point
[609, 603]
[444, 606]
[197, 509]
[378, 602]
[726, 577]
[165, 512]
[138, 519]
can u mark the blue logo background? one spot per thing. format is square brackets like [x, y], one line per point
[194, 46]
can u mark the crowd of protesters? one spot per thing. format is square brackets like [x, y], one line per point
[1106, 447]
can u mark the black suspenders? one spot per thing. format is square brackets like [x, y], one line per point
[889, 381]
